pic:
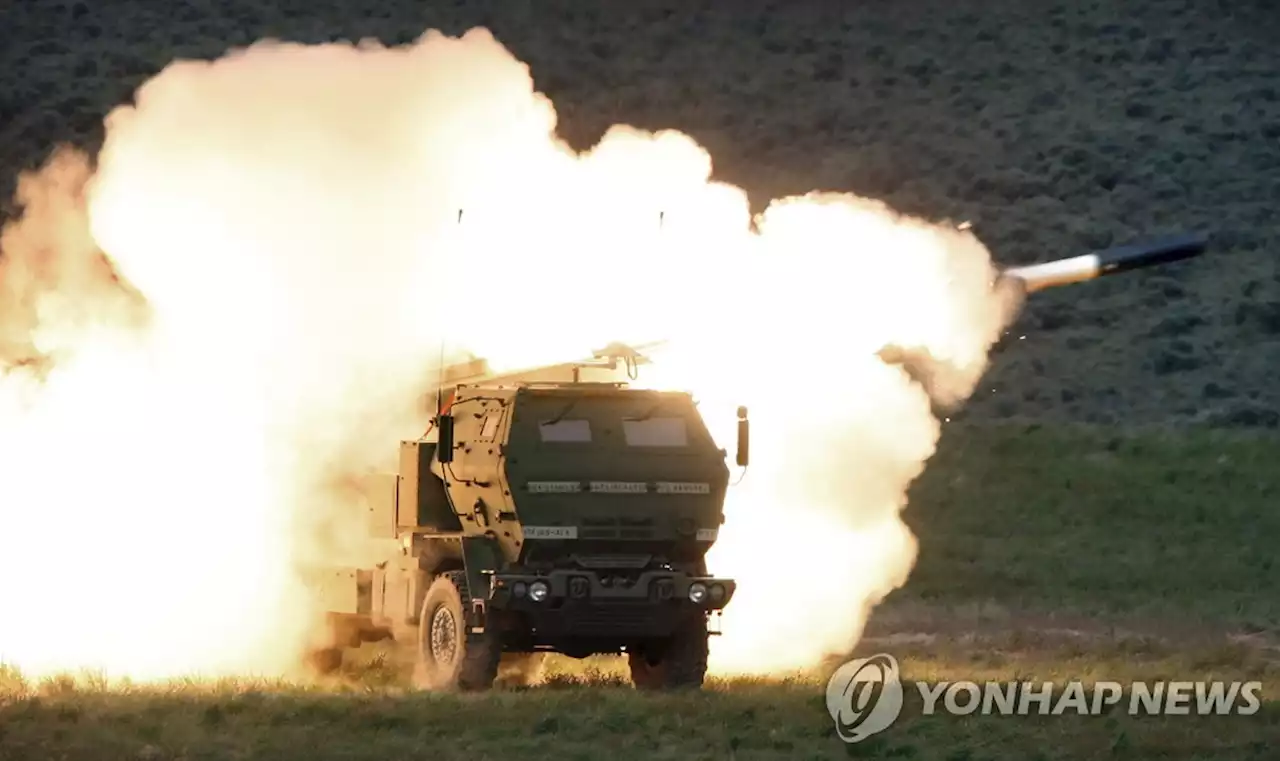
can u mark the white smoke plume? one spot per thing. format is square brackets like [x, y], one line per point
[239, 308]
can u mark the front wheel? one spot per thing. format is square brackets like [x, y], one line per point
[679, 662]
[449, 658]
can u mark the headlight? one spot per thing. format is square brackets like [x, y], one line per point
[519, 588]
[697, 592]
[538, 591]
[717, 593]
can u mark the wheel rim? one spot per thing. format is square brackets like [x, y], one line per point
[444, 636]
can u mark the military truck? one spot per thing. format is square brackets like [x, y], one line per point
[552, 510]
[559, 509]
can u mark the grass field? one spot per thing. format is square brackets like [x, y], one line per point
[1046, 555]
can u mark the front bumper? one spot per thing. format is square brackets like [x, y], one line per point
[512, 590]
[585, 603]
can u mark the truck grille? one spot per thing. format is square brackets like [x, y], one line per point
[611, 561]
[603, 619]
[616, 528]
[606, 618]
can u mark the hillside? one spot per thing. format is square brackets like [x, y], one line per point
[1053, 126]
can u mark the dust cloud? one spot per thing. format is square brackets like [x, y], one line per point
[205, 336]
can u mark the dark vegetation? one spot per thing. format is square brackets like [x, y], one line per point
[1054, 127]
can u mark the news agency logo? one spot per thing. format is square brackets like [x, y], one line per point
[865, 697]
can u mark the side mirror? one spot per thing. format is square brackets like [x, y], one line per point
[444, 441]
[744, 437]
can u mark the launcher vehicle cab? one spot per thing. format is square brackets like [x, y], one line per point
[546, 511]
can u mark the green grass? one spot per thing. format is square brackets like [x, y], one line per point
[1045, 555]
[1180, 526]
[741, 720]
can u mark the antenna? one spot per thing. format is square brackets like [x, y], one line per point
[440, 365]
[440, 382]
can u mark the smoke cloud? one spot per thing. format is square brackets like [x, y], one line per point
[205, 337]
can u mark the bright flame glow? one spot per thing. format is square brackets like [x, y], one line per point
[289, 217]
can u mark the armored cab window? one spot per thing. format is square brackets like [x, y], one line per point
[656, 432]
[566, 431]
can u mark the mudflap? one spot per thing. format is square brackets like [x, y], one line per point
[481, 557]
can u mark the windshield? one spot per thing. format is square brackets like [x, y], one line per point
[636, 423]
[565, 431]
[656, 432]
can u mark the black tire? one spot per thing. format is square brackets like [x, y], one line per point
[344, 632]
[448, 657]
[325, 654]
[324, 660]
[680, 662]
